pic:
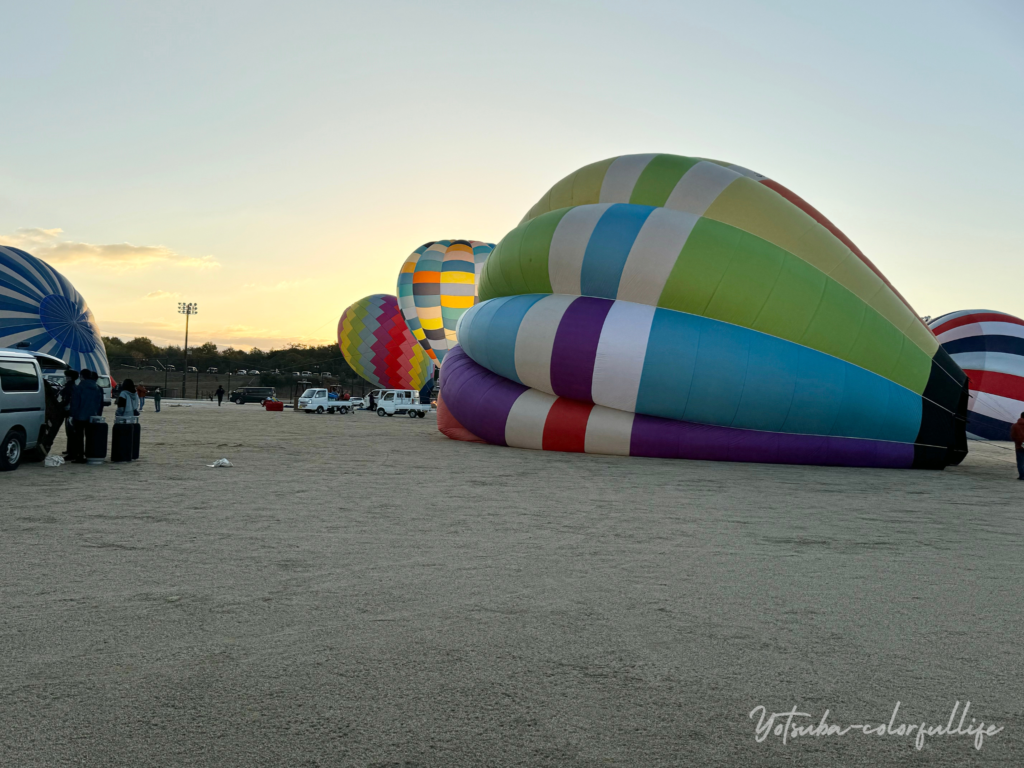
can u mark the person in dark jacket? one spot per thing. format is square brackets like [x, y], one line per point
[1017, 435]
[86, 402]
[70, 379]
[220, 394]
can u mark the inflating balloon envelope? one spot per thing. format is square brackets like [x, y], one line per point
[989, 346]
[665, 306]
[41, 311]
[376, 343]
[436, 285]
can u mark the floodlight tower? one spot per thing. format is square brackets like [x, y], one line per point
[187, 309]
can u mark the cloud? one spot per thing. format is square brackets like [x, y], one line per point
[162, 295]
[49, 245]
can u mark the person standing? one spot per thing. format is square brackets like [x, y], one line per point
[86, 402]
[220, 395]
[127, 400]
[157, 397]
[1017, 435]
[141, 391]
[70, 378]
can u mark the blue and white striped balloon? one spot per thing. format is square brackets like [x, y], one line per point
[39, 307]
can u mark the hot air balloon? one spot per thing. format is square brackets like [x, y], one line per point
[657, 305]
[377, 344]
[437, 283]
[41, 311]
[989, 346]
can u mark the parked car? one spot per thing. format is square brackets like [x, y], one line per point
[171, 368]
[208, 370]
[192, 369]
[107, 384]
[356, 402]
[253, 373]
[251, 395]
[22, 406]
[242, 372]
[306, 373]
[326, 373]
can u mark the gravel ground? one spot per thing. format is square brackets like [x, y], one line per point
[362, 591]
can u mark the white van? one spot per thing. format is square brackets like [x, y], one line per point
[107, 385]
[22, 406]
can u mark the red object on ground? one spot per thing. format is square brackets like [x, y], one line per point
[272, 405]
[449, 426]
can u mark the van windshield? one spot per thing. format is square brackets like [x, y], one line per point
[309, 393]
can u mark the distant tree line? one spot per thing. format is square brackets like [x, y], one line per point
[140, 351]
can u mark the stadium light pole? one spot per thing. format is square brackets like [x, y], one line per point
[187, 309]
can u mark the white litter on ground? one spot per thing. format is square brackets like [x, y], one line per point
[221, 463]
[53, 461]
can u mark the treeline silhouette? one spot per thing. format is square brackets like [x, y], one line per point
[316, 359]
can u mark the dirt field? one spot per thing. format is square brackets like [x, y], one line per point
[362, 591]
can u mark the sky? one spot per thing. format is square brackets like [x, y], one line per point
[277, 162]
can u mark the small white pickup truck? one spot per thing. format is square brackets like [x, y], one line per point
[392, 401]
[317, 401]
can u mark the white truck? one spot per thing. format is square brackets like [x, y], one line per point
[392, 401]
[317, 401]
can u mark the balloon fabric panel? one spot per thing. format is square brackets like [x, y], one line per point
[39, 307]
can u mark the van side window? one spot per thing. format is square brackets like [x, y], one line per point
[18, 377]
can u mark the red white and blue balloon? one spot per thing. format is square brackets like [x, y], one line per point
[989, 346]
[41, 311]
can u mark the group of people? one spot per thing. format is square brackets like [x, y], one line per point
[82, 398]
